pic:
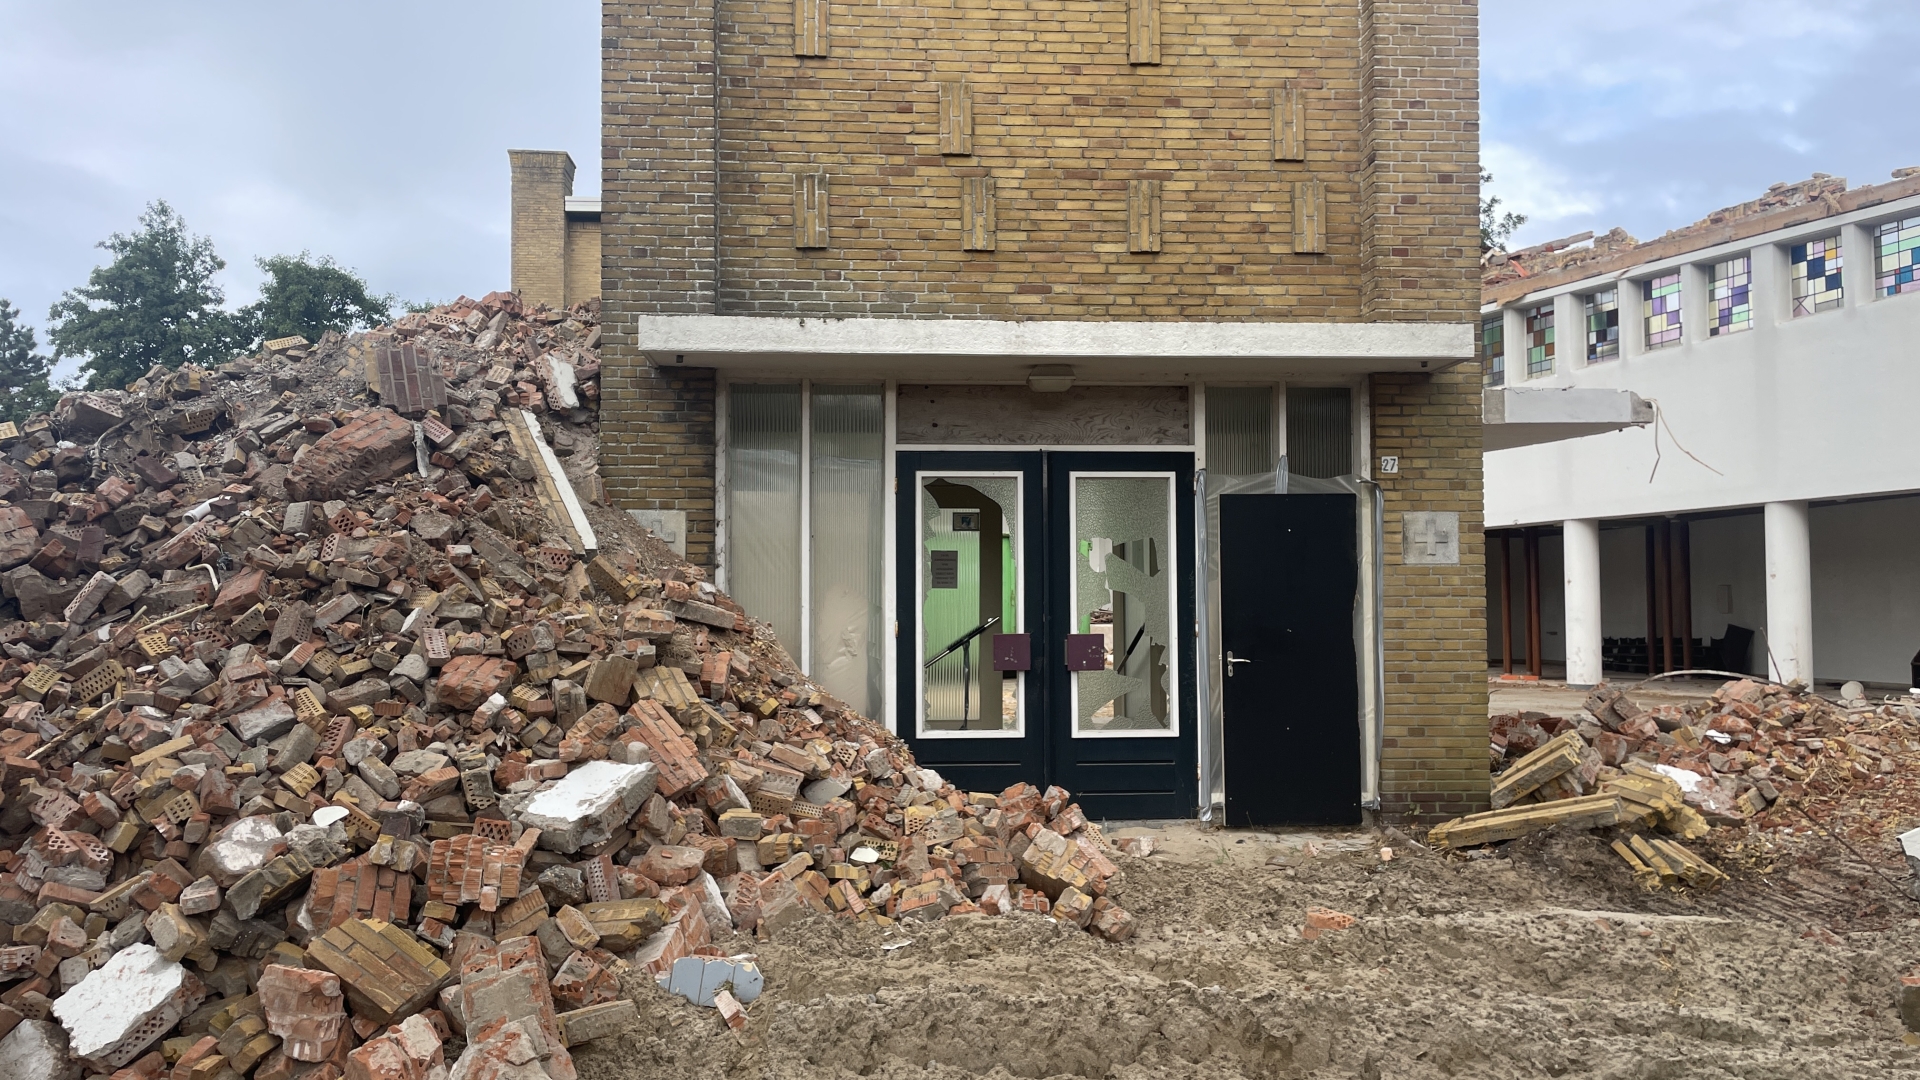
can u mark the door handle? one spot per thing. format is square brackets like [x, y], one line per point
[1232, 660]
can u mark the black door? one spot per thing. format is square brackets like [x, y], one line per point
[971, 598]
[1289, 573]
[1121, 605]
[1012, 565]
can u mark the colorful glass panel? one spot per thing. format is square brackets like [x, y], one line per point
[1899, 244]
[1539, 341]
[1816, 275]
[1493, 348]
[1603, 326]
[1660, 297]
[1731, 288]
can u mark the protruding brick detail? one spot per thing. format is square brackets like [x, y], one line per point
[977, 213]
[956, 117]
[1143, 31]
[1289, 123]
[810, 209]
[1143, 216]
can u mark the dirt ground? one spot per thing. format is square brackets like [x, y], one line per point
[1542, 960]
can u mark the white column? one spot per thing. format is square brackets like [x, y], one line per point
[1789, 593]
[1580, 555]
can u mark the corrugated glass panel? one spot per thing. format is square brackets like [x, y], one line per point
[1319, 430]
[763, 504]
[849, 504]
[1240, 430]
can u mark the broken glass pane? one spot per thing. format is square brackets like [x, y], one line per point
[1123, 591]
[969, 592]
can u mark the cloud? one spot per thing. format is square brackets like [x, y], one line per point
[374, 133]
[1652, 114]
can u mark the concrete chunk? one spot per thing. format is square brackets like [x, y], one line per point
[36, 1050]
[119, 1009]
[585, 806]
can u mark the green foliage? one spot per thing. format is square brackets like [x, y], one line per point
[307, 298]
[420, 307]
[155, 303]
[1495, 228]
[24, 374]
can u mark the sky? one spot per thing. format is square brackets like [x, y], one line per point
[377, 133]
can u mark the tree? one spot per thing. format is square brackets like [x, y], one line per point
[155, 303]
[1495, 227]
[306, 298]
[24, 374]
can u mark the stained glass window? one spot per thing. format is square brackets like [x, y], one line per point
[1540, 340]
[1493, 348]
[1899, 243]
[1661, 298]
[1731, 285]
[1603, 325]
[1816, 275]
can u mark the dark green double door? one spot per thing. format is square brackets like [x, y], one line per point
[1046, 623]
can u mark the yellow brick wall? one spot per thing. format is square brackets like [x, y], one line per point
[542, 180]
[1061, 122]
[583, 261]
[708, 115]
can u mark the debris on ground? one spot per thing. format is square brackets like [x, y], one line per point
[1753, 754]
[339, 744]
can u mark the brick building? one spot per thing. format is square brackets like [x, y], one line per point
[1777, 337]
[1022, 365]
[556, 236]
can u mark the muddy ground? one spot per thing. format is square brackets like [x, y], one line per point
[1542, 960]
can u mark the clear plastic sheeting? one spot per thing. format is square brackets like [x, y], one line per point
[847, 490]
[763, 504]
[1366, 620]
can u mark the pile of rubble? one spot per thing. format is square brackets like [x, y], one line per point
[1743, 756]
[336, 742]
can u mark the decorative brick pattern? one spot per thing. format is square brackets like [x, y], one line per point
[977, 213]
[956, 117]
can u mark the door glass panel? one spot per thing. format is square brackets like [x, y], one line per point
[1123, 590]
[970, 577]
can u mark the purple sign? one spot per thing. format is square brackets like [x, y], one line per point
[1012, 652]
[1086, 652]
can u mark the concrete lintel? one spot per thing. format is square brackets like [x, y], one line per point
[1004, 350]
[1526, 416]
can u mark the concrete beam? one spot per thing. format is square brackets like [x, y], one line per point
[1526, 416]
[998, 350]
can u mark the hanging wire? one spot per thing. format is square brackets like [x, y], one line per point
[1660, 421]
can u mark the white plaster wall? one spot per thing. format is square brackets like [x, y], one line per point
[1866, 590]
[1812, 408]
